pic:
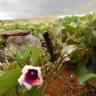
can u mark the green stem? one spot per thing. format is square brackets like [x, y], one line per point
[16, 88]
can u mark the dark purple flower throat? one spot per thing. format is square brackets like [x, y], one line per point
[31, 76]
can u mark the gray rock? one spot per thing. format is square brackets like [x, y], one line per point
[23, 40]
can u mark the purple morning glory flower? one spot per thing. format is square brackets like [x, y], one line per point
[30, 76]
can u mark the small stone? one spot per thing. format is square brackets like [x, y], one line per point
[23, 40]
[71, 76]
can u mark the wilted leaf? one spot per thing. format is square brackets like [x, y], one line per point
[67, 49]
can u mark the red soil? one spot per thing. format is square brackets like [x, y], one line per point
[66, 85]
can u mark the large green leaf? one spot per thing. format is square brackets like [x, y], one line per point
[33, 53]
[11, 92]
[84, 74]
[26, 53]
[22, 57]
[9, 79]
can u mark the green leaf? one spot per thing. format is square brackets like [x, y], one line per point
[1, 72]
[10, 92]
[9, 79]
[82, 94]
[34, 92]
[27, 52]
[66, 48]
[84, 74]
[22, 57]
[35, 53]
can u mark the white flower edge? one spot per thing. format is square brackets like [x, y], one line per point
[21, 80]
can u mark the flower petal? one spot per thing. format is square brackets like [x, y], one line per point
[34, 81]
[39, 82]
[26, 68]
[28, 86]
[21, 79]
